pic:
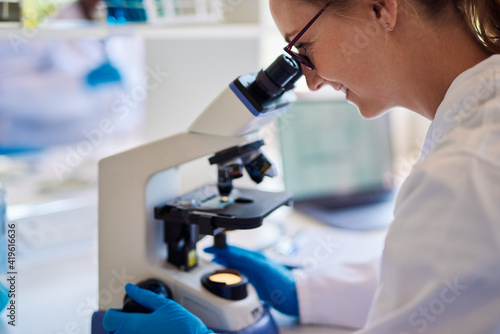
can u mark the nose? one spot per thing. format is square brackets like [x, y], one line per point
[314, 81]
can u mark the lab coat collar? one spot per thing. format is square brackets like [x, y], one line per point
[467, 92]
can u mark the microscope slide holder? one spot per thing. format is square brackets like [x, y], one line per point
[187, 220]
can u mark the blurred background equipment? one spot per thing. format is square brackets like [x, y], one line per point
[10, 12]
[333, 159]
[34, 12]
[59, 91]
[184, 11]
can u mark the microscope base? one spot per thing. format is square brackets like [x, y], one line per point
[265, 325]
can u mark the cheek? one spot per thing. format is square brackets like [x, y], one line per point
[339, 60]
[358, 44]
[350, 56]
[332, 66]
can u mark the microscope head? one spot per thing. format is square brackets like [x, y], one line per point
[250, 101]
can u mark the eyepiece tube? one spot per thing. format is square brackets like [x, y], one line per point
[282, 70]
[276, 79]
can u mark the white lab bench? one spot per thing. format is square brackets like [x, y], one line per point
[57, 267]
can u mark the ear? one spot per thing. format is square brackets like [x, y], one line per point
[386, 13]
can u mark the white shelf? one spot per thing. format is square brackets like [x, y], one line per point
[213, 31]
[79, 30]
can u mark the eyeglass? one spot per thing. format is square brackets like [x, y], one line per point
[303, 59]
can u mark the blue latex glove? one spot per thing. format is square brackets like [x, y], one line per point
[4, 297]
[105, 73]
[274, 283]
[168, 317]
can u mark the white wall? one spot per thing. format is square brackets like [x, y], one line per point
[201, 62]
[198, 70]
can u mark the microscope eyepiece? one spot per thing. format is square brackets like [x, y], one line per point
[282, 70]
[269, 90]
[276, 79]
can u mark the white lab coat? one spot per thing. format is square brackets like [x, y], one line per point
[440, 268]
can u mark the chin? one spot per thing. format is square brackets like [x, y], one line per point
[370, 114]
[369, 110]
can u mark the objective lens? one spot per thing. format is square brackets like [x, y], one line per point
[224, 182]
[258, 166]
[235, 168]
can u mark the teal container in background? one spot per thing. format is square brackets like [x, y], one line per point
[123, 11]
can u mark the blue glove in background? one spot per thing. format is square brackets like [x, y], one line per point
[168, 317]
[4, 299]
[105, 73]
[274, 283]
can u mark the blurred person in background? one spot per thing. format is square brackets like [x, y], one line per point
[54, 92]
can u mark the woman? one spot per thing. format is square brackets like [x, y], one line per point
[440, 269]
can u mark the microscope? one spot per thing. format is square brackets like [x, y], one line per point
[148, 231]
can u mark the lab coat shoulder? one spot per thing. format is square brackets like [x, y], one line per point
[447, 214]
[441, 270]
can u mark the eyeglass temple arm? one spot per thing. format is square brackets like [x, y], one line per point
[299, 35]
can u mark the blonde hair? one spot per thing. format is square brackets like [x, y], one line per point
[482, 17]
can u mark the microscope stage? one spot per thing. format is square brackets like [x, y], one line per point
[244, 208]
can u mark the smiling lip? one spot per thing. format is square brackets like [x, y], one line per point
[341, 88]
